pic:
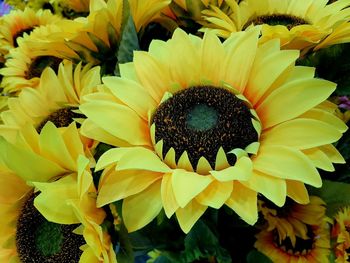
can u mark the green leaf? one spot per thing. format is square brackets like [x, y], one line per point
[335, 194]
[201, 243]
[255, 256]
[125, 252]
[129, 39]
[129, 42]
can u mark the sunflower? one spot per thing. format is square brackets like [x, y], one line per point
[314, 249]
[197, 128]
[72, 8]
[298, 24]
[56, 99]
[292, 219]
[188, 13]
[19, 23]
[45, 48]
[341, 234]
[99, 40]
[53, 158]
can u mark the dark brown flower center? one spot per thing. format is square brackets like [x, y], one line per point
[39, 240]
[61, 118]
[302, 246]
[40, 63]
[200, 120]
[289, 21]
[20, 34]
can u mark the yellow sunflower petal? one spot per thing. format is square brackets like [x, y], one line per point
[132, 94]
[115, 186]
[216, 194]
[91, 130]
[51, 204]
[272, 188]
[53, 147]
[286, 163]
[140, 209]
[139, 158]
[41, 169]
[242, 170]
[297, 191]
[244, 202]
[304, 94]
[189, 215]
[293, 133]
[119, 120]
[168, 198]
[187, 185]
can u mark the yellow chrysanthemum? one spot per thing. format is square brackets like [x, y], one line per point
[298, 24]
[53, 159]
[98, 41]
[315, 249]
[199, 123]
[19, 23]
[292, 219]
[341, 234]
[56, 99]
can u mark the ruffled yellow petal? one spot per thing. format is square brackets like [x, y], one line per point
[139, 158]
[132, 94]
[297, 191]
[41, 169]
[242, 170]
[51, 204]
[301, 134]
[115, 186]
[216, 194]
[265, 71]
[286, 163]
[303, 94]
[140, 209]
[244, 202]
[189, 215]
[240, 51]
[187, 185]
[118, 120]
[168, 197]
[272, 188]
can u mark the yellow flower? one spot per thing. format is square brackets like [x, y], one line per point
[20, 23]
[56, 99]
[315, 249]
[53, 162]
[186, 12]
[199, 123]
[292, 219]
[298, 24]
[72, 8]
[341, 233]
[98, 40]
[44, 47]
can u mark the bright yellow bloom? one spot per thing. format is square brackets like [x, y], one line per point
[179, 151]
[341, 233]
[19, 23]
[315, 249]
[298, 24]
[56, 99]
[44, 47]
[98, 40]
[292, 219]
[53, 163]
